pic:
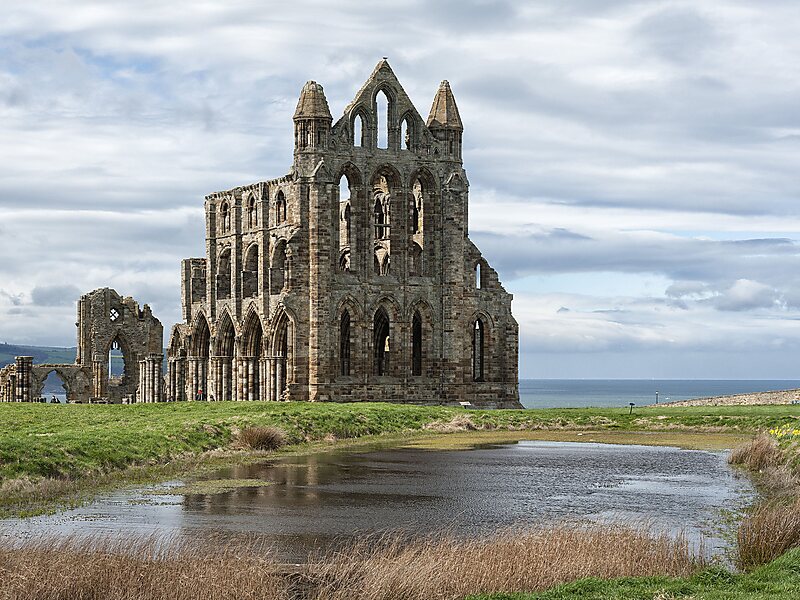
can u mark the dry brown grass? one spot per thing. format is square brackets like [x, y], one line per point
[262, 438]
[758, 454]
[104, 569]
[767, 532]
[512, 561]
[457, 423]
[389, 567]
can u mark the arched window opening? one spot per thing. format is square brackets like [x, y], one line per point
[381, 215]
[224, 275]
[478, 279]
[358, 131]
[382, 112]
[252, 215]
[416, 267]
[416, 345]
[345, 223]
[116, 360]
[252, 375]
[54, 389]
[405, 134]
[380, 340]
[477, 351]
[225, 217]
[280, 208]
[250, 273]
[279, 269]
[417, 212]
[226, 340]
[344, 344]
[200, 350]
[280, 373]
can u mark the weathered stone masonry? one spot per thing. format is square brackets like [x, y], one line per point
[374, 293]
[106, 321]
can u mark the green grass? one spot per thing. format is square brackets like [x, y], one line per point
[778, 579]
[70, 441]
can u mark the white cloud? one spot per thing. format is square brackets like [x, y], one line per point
[657, 140]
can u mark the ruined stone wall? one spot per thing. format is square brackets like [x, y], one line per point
[105, 320]
[307, 293]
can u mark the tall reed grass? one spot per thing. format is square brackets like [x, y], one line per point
[773, 525]
[390, 567]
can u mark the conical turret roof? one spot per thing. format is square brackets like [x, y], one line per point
[444, 112]
[312, 103]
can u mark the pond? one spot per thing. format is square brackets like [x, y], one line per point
[311, 501]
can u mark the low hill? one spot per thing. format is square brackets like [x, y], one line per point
[40, 354]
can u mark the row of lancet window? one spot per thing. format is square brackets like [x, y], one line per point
[250, 272]
[381, 333]
[381, 227]
[252, 213]
[382, 106]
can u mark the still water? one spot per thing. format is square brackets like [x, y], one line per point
[313, 500]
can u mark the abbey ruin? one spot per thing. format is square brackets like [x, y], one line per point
[106, 323]
[351, 278]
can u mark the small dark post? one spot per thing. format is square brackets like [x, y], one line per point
[631, 405]
[656, 396]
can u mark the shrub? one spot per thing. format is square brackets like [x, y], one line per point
[767, 533]
[758, 454]
[262, 438]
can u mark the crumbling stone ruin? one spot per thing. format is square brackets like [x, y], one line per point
[353, 276]
[107, 324]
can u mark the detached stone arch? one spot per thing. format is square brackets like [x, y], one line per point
[221, 372]
[77, 384]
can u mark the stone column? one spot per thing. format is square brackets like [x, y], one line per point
[270, 395]
[24, 364]
[99, 376]
[263, 379]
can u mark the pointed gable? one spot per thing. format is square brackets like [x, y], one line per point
[382, 79]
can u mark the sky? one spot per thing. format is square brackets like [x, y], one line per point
[634, 165]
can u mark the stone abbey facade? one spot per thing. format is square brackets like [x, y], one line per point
[108, 325]
[353, 276]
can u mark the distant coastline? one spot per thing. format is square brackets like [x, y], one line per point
[773, 397]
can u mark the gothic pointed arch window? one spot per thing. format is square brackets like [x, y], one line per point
[224, 274]
[406, 134]
[478, 276]
[252, 215]
[380, 341]
[358, 131]
[416, 345]
[382, 114]
[280, 208]
[478, 362]
[344, 344]
[250, 280]
[225, 217]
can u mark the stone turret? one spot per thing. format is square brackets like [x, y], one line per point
[444, 121]
[312, 119]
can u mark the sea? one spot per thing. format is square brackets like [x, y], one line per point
[576, 393]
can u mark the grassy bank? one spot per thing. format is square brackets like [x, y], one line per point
[54, 452]
[779, 579]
